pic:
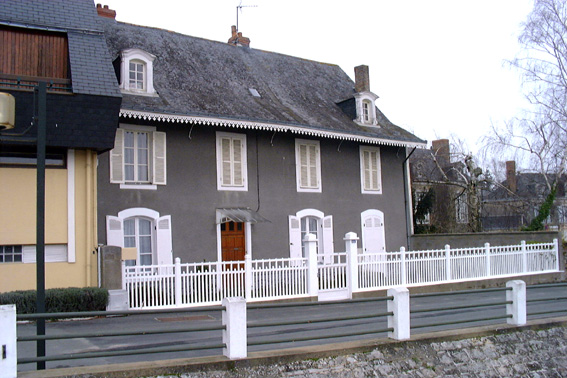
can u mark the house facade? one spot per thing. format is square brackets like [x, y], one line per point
[82, 106]
[224, 150]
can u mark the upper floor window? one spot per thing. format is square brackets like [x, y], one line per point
[365, 109]
[231, 162]
[308, 165]
[136, 72]
[370, 170]
[138, 159]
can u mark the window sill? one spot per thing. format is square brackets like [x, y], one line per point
[232, 189]
[139, 93]
[139, 186]
[309, 190]
[365, 191]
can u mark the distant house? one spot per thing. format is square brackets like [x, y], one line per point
[440, 194]
[58, 42]
[224, 150]
[516, 201]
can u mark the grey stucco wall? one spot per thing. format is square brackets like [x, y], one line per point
[191, 194]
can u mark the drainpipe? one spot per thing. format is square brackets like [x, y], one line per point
[88, 215]
[407, 201]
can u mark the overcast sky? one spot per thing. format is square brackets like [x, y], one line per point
[436, 65]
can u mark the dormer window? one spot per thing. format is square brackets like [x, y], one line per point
[365, 109]
[136, 72]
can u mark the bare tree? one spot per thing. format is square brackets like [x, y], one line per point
[541, 133]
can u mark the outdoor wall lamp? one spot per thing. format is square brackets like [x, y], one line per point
[7, 111]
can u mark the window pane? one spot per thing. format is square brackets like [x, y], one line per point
[145, 227]
[129, 227]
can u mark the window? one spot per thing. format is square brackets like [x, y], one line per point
[308, 165]
[311, 221]
[370, 170]
[136, 72]
[366, 111]
[145, 230]
[138, 159]
[138, 234]
[462, 209]
[24, 156]
[231, 162]
[10, 253]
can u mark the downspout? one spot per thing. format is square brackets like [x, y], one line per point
[407, 202]
[88, 217]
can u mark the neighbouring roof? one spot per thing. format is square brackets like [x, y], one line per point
[90, 65]
[210, 82]
[529, 185]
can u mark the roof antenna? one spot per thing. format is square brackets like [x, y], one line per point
[239, 7]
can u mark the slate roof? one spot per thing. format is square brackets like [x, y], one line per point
[91, 71]
[529, 185]
[199, 77]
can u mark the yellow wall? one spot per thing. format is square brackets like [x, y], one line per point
[18, 220]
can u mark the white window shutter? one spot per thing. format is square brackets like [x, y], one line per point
[328, 242]
[237, 161]
[294, 237]
[164, 244]
[313, 179]
[226, 167]
[117, 158]
[114, 231]
[159, 157]
[373, 235]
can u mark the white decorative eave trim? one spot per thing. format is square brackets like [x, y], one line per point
[253, 125]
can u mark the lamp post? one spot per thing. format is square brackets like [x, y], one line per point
[7, 121]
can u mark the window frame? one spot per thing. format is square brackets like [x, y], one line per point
[13, 253]
[299, 163]
[221, 186]
[370, 118]
[371, 150]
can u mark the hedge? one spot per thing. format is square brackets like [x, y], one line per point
[58, 300]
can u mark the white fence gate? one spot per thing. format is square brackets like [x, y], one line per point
[201, 284]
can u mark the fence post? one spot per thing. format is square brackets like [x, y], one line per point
[400, 320]
[177, 278]
[248, 276]
[312, 269]
[524, 257]
[518, 306]
[234, 335]
[123, 270]
[487, 253]
[448, 261]
[403, 265]
[556, 246]
[8, 350]
[351, 249]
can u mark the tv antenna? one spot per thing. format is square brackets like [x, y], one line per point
[239, 8]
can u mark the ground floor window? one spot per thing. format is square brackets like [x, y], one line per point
[10, 253]
[138, 234]
[311, 221]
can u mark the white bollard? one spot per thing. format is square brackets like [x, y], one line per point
[518, 306]
[312, 267]
[234, 336]
[351, 248]
[400, 320]
[8, 349]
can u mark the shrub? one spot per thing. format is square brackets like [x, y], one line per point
[59, 300]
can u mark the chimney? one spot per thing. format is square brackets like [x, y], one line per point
[105, 12]
[361, 79]
[237, 39]
[511, 176]
[442, 151]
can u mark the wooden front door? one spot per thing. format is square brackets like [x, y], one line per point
[233, 242]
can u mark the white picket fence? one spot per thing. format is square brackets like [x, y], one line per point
[201, 284]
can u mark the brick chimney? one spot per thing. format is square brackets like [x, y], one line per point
[105, 12]
[511, 181]
[361, 79]
[237, 39]
[442, 151]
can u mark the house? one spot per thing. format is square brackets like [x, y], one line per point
[440, 186]
[223, 150]
[58, 42]
[513, 203]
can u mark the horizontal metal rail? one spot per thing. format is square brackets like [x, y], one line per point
[336, 319]
[89, 314]
[115, 353]
[307, 338]
[112, 334]
[460, 322]
[461, 307]
[549, 312]
[326, 303]
[545, 286]
[546, 299]
[496, 289]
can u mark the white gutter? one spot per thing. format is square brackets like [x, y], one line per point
[213, 121]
